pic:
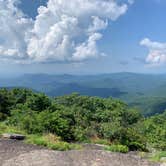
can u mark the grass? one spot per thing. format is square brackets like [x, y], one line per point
[157, 156]
[97, 140]
[47, 140]
[100, 141]
[9, 129]
[154, 156]
[51, 141]
[117, 148]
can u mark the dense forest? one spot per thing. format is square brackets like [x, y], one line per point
[145, 92]
[76, 118]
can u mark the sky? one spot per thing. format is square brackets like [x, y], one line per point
[82, 36]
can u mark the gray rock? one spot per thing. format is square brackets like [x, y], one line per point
[163, 159]
[13, 136]
[16, 153]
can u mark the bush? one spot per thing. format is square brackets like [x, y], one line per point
[133, 139]
[133, 146]
[160, 145]
[9, 129]
[38, 102]
[117, 148]
[2, 116]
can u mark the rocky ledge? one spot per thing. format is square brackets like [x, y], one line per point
[13, 136]
[16, 153]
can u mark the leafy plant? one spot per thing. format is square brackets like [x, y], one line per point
[117, 148]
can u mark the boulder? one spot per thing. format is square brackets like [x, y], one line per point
[163, 159]
[13, 136]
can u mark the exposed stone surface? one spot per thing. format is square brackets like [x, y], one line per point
[16, 153]
[163, 159]
[163, 164]
[13, 136]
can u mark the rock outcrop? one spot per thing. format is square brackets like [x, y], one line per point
[13, 136]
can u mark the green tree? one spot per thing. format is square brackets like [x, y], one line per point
[39, 102]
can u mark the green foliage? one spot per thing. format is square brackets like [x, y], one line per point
[158, 156]
[77, 118]
[51, 141]
[48, 140]
[117, 148]
[154, 129]
[149, 106]
[6, 102]
[9, 99]
[148, 95]
[100, 141]
[137, 146]
[9, 129]
[38, 102]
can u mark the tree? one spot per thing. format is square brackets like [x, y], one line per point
[39, 102]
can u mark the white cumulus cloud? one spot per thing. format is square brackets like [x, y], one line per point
[63, 31]
[157, 51]
[14, 29]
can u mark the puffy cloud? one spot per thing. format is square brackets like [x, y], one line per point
[62, 31]
[157, 51]
[98, 24]
[14, 31]
[87, 49]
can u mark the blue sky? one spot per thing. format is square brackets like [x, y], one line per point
[134, 41]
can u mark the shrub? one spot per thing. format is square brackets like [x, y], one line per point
[161, 145]
[133, 146]
[2, 116]
[80, 134]
[117, 148]
[39, 102]
[9, 129]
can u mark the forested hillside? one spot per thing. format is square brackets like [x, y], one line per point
[75, 118]
[146, 92]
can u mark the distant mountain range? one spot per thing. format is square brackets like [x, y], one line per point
[143, 91]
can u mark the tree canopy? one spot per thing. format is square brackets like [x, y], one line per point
[77, 118]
